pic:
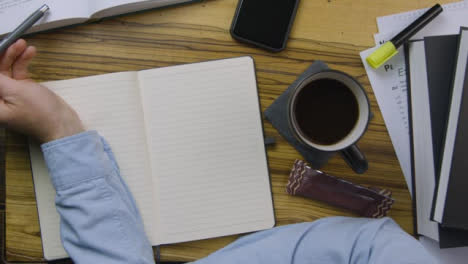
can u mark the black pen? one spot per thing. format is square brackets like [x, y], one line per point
[389, 48]
[27, 24]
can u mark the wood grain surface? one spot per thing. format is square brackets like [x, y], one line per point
[328, 30]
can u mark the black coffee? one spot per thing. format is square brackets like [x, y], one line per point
[326, 111]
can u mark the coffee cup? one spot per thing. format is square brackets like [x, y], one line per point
[329, 111]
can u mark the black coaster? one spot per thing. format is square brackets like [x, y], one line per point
[277, 115]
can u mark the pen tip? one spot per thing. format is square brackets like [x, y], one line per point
[44, 8]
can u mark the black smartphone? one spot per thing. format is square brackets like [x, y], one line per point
[264, 23]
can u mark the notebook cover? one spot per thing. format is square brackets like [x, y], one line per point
[440, 67]
[410, 126]
[455, 213]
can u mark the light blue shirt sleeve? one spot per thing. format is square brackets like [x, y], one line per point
[100, 222]
[333, 240]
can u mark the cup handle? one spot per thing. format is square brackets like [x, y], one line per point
[355, 159]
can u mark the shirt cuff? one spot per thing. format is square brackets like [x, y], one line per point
[76, 159]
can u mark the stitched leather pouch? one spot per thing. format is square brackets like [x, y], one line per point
[307, 182]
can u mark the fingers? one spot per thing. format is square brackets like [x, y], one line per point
[9, 57]
[20, 66]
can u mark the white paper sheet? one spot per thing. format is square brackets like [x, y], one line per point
[397, 21]
[389, 85]
[448, 22]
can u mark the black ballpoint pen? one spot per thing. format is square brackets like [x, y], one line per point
[27, 24]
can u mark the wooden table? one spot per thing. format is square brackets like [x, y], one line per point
[328, 30]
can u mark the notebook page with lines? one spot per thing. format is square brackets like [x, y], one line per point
[111, 105]
[206, 148]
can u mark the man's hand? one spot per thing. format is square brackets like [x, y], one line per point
[29, 107]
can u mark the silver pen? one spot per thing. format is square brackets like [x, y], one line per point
[27, 24]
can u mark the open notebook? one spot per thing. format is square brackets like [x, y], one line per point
[63, 13]
[189, 143]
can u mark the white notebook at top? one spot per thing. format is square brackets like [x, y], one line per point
[68, 12]
[189, 143]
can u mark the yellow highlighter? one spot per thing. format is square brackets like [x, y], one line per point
[390, 48]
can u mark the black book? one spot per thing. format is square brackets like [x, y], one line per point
[441, 57]
[441, 54]
[449, 206]
[429, 97]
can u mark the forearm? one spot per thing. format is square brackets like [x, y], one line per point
[99, 219]
[328, 240]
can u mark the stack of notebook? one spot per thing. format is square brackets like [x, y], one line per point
[438, 104]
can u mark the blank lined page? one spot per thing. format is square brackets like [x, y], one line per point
[207, 150]
[111, 105]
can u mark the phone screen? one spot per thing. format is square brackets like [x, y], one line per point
[264, 21]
